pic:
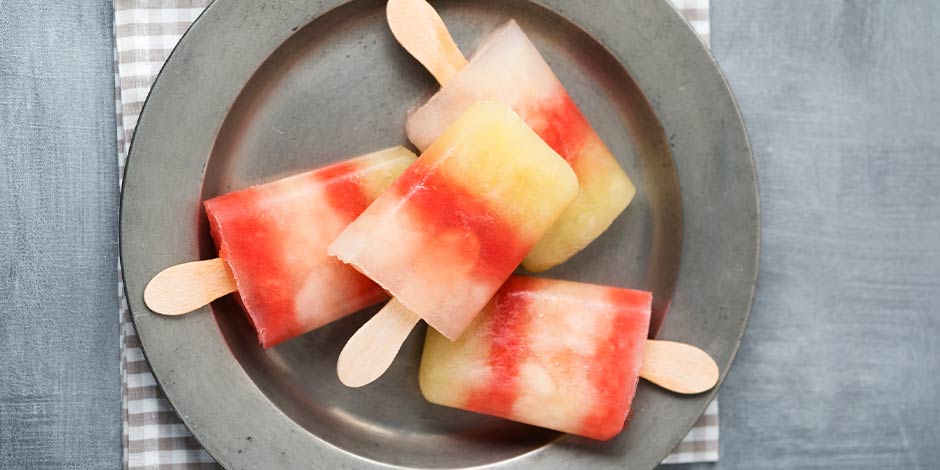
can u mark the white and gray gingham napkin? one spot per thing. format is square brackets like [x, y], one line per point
[154, 437]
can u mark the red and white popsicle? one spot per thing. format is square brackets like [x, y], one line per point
[508, 68]
[272, 242]
[561, 355]
[447, 234]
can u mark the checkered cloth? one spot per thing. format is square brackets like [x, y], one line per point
[154, 437]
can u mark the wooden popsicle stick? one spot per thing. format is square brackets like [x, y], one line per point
[185, 287]
[421, 31]
[371, 350]
[679, 367]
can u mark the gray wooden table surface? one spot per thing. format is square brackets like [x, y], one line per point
[60, 388]
[840, 367]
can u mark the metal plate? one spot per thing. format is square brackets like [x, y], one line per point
[258, 90]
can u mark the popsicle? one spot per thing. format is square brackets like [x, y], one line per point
[272, 242]
[561, 355]
[508, 68]
[452, 229]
